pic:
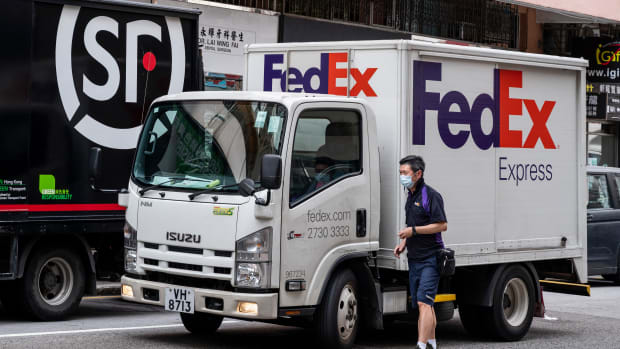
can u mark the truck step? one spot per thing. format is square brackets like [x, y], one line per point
[565, 287]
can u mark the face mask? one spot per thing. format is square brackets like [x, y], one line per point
[406, 181]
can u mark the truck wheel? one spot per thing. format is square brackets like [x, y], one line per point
[513, 304]
[474, 319]
[444, 311]
[201, 323]
[53, 284]
[337, 317]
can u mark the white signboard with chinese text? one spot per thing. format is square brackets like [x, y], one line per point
[223, 31]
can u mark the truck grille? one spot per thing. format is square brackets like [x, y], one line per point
[185, 249]
[184, 266]
[222, 254]
[211, 284]
[151, 261]
[214, 263]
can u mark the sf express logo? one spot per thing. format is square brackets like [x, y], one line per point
[501, 105]
[325, 76]
[89, 50]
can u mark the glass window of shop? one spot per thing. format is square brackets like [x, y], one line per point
[602, 144]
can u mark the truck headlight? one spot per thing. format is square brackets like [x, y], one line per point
[253, 260]
[131, 244]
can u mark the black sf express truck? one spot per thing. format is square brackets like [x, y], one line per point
[76, 75]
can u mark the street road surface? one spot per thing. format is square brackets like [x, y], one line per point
[109, 322]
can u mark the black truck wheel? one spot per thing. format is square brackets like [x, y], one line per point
[514, 300]
[53, 284]
[201, 323]
[336, 321]
[474, 319]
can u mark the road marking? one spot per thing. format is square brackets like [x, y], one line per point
[102, 297]
[111, 329]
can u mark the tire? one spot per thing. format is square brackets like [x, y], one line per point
[513, 307]
[53, 284]
[444, 311]
[201, 323]
[474, 319]
[337, 320]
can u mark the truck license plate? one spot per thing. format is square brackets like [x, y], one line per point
[179, 299]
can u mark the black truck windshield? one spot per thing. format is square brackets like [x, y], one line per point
[207, 144]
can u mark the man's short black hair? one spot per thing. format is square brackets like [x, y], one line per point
[415, 162]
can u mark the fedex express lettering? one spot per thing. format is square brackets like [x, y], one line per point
[326, 75]
[501, 106]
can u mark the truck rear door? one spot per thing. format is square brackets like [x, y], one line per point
[326, 198]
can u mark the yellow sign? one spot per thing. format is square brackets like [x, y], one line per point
[223, 211]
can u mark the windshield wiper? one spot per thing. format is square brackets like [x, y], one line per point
[210, 189]
[171, 180]
[159, 185]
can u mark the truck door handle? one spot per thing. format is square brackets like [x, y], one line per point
[589, 216]
[360, 223]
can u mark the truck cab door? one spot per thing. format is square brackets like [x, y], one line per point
[326, 197]
[602, 226]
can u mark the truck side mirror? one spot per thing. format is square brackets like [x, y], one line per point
[94, 165]
[247, 187]
[271, 171]
[94, 172]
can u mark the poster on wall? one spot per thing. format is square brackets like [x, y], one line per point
[223, 31]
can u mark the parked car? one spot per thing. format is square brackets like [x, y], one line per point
[604, 222]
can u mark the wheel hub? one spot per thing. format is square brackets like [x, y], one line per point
[515, 302]
[347, 312]
[55, 281]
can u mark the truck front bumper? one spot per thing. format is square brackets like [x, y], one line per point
[267, 303]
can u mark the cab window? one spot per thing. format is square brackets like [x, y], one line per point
[326, 148]
[598, 192]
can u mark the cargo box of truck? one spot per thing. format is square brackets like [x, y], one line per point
[76, 74]
[502, 134]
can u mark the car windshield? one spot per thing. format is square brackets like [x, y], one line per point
[207, 144]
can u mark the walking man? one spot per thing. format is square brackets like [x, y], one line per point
[425, 219]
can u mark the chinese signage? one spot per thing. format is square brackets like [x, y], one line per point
[603, 101]
[224, 40]
[596, 105]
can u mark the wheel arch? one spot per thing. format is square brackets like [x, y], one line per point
[75, 243]
[480, 290]
[368, 288]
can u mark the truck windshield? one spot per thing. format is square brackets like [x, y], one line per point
[207, 144]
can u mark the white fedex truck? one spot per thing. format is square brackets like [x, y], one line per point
[284, 207]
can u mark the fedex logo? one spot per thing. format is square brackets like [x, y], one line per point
[327, 75]
[501, 105]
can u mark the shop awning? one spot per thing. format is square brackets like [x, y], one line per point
[573, 11]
